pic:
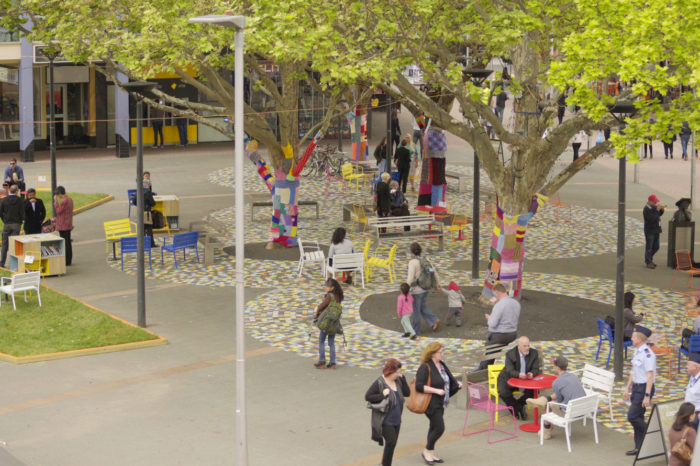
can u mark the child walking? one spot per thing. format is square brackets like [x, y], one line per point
[455, 299]
[404, 309]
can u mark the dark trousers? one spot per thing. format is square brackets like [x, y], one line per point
[437, 426]
[668, 149]
[576, 146]
[418, 139]
[403, 177]
[10, 229]
[497, 338]
[391, 436]
[182, 131]
[157, 130]
[509, 399]
[65, 234]
[635, 415]
[652, 245]
[651, 151]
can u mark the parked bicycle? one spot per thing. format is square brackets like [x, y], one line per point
[324, 160]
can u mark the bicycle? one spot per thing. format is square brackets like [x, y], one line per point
[323, 160]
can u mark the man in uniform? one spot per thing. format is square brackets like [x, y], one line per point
[640, 385]
[692, 390]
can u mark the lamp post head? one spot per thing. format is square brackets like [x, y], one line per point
[478, 75]
[227, 20]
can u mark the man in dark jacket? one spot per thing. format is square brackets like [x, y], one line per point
[652, 229]
[522, 362]
[12, 214]
[34, 213]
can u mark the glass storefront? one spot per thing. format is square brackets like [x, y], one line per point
[9, 112]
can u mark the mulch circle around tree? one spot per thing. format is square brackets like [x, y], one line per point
[259, 251]
[543, 316]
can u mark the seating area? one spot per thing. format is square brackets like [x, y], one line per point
[180, 242]
[606, 334]
[115, 230]
[579, 409]
[210, 232]
[347, 263]
[480, 400]
[684, 265]
[413, 226]
[129, 245]
[21, 283]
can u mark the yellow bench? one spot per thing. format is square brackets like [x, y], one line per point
[117, 229]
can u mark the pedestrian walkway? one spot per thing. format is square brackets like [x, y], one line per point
[175, 404]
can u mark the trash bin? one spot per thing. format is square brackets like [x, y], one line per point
[681, 235]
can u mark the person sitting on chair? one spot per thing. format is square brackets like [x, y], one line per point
[522, 362]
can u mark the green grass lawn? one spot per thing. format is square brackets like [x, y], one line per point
[60, 324]
[79, 199]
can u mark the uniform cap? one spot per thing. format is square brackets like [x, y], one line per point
[694, 357]
[643, 330]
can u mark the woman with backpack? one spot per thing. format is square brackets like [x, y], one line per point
[435, 378]
[422, 277]
[386, 399]
[327, 319]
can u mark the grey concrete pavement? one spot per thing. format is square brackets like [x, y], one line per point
[174, 404]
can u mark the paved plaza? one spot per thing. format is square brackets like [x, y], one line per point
[174, 404]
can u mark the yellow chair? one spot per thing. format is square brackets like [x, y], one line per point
[359, 217]
[387, 263]
[494, 370]
[368, 244]
[460, 223]
[349, 174]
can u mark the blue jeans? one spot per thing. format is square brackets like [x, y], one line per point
[651, 247]
[381, 167]
[684, 144]
[420, 309]
[322, 346]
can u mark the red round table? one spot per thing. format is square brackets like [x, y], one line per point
[539, 382]
[432, 209]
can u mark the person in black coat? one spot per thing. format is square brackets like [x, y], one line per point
[384, 196]
[392, 386]
[402, 159]
[442, 386]
[514, 369]
[34, 213]
[652, 213]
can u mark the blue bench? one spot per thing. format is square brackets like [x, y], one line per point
[181, 242]
[129, 244]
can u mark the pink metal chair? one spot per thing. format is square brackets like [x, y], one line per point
[479, 399]
[330, 178]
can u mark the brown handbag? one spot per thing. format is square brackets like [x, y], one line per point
[418, 401]
[682, 450]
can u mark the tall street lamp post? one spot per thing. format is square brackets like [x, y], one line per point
[51, 52]
[139, 89]
[621, 108]
[237, 22]
[478, 76]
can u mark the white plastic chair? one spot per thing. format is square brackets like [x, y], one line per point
[578, 409]
[311, 252]
[347, 263]
[21, 282]
[599, 381]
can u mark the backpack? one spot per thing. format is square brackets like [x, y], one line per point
[158, 219]
[329, 320]
[426, 279]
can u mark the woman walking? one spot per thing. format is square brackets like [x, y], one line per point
[386, 422]
[435, 378]
[681, 429]
[327, 319]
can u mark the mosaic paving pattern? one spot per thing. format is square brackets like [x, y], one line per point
[550, 234]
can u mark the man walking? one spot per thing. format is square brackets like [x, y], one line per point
[503, 320]
[420, 269]
[640, 385]
[63, 207]
[12, 214]
[566, 387]
[652, 228]
[522, 362]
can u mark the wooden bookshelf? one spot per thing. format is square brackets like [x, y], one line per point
[45, 252]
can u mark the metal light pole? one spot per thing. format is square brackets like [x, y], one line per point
[140, 87]
[622, 108]
[237, 22]
[389, 134]
[51, 53]
[478, 76]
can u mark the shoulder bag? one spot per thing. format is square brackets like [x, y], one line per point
[682, 450]
[418, 401]
[382, 406]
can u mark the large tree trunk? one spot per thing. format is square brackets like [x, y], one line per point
[507, 252]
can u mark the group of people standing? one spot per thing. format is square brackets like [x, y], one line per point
[19, 209]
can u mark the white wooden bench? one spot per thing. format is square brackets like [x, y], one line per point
[21, 282]
[461, 180]
[421, 226]
[209, 229]
[578, 409]
[347, 263]
[596, 380]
